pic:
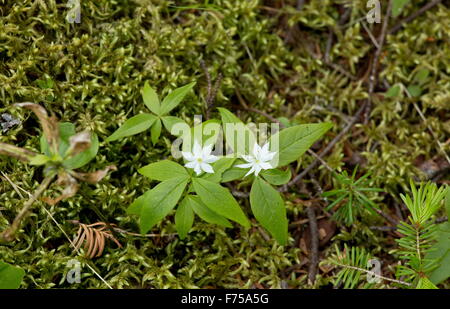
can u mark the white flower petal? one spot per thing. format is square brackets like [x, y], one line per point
[207, 150]
[191, 164]
[257, 169]
[197, 150]
[268, 156]
[245, 165]
[265, 148]
[250, 171]
[198, 169]
[265, 165]
[188, 156]
[210, 159]
[256, 150]
[248, 158]
[207, 168]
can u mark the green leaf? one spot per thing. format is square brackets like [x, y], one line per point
[160, 201]
[284, 121]
[394, 91]
[425, 284]
[219, 200]
[45, 83]
[163, 170]
[234, 173]
[175, 97]
[39, 160]
[292, 142]
[10, 276]
[441, 254]
[268, 208]
[238, 136]
[66, 130]
[277, 177]
[169, 123]
[205, 213]
[156, 131]
[397, 7]
[136, 207]
[447, 202]
[84, 157]
[421, 76]
[151, 99]
[132, 126]
[184, 218]
[414, 90]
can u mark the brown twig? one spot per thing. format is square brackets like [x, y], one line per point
[374, 274]
[300, 4]
[9, 233]
[314, 249]
[386, 216]
[211, 90]
[332, 65]
[327, 149]
[237, 193]
[373, 78]
[414, 15]
[252, 109]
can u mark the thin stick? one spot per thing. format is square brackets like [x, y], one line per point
[251, 109]
[9, 233]
[327, 149]
[315, 155]
[374, 274]
[211, 90]
[413, 16]
[386, 216]
[314, 249]
[373, 78]
[374, 41]
[433, 134]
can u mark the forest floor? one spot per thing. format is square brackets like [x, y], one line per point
[292, 61]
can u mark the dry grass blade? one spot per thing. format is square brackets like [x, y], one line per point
[70, 186]
[94, 177]
[94, 238]
[16, 152]
[49, 124]
[79, 143]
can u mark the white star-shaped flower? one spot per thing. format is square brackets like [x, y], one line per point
[259, 160]
[200, 158]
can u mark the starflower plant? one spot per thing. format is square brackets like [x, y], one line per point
[200, 159]
[159, 114]
[194, 189]
[281, 149]
[258, 160]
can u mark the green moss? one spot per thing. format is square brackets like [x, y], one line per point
[91, 74]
